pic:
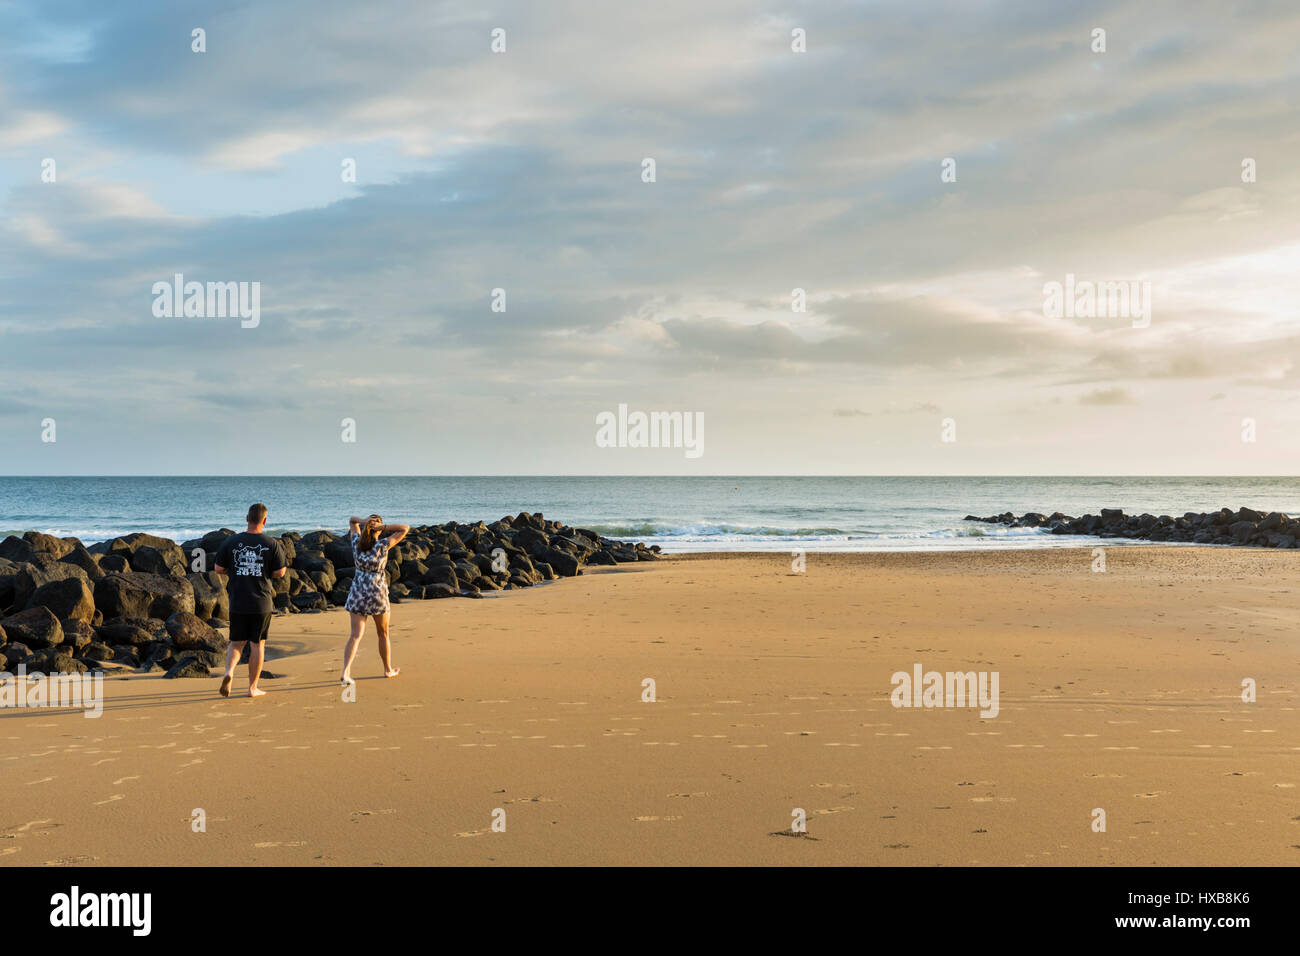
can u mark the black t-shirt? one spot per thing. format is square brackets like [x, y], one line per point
[249, 560]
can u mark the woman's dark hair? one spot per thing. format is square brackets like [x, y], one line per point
[370, 532]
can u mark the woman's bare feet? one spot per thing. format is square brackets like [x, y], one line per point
[256, 692]
[393, 672]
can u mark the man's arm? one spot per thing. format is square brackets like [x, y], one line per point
[219, 563]
[281, 566]
[395, 532]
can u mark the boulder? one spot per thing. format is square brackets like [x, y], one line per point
[68, 598]
[563, 563]
[1242, 530]
[36, 627]
[77, 635]
[188, 664]
[190, 633]
[210, 596]
[132, 630]
[143, 595]
[38, 572]
[149, 559]
[11, 655]
[309, 601]
[81, 558]
[33, 544]
[98, 652]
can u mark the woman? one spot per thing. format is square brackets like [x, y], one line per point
[371, 540]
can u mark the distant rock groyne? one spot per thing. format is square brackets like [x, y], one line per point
[1245, 527]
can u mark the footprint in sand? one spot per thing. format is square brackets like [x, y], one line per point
[472, 833]
[1151, 795]
[370, 813]
[652, 819]
[113, 799]
[70, 861]
[123, 780]
[32, 825]
[263, 846]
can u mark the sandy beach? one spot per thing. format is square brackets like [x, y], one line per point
[1118, 690]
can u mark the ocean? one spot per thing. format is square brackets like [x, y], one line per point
[680, 514]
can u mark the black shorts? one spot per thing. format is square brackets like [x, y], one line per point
[249, 627]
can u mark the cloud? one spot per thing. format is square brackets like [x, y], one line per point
[521, 171]
[1108, 396]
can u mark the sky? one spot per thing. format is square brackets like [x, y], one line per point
[921, 172]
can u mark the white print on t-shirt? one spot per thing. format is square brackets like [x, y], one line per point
[248, 560]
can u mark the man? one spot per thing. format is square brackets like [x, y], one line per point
[250, 560]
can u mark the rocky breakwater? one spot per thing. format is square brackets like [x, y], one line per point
[137, 603]
[1245, 526]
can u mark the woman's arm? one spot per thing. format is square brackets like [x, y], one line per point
[395, 532]
[354, 524]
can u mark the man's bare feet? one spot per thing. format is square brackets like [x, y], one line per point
[346, 679]
[225, 686]
[256, 692]
[393, 673]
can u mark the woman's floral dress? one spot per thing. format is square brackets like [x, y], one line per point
[369, 592]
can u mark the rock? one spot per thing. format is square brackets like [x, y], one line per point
[14, 654]
[65, 664]
[36, 627]
[160, 655]
[1274, 521]
[98, 652]
[127, 655]
[148, 559]
[33, 544]
[564, 564]
[41, 570]
[432, 591]
[309, 601]
[188, 664]
[1242, 530]
[339, 553]
[110, 563]
[77, 635]
[81, 558]
[143, 595]
[67, 598]
[210, 596]
[190, 633]
[128, 544]
[132, 630]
